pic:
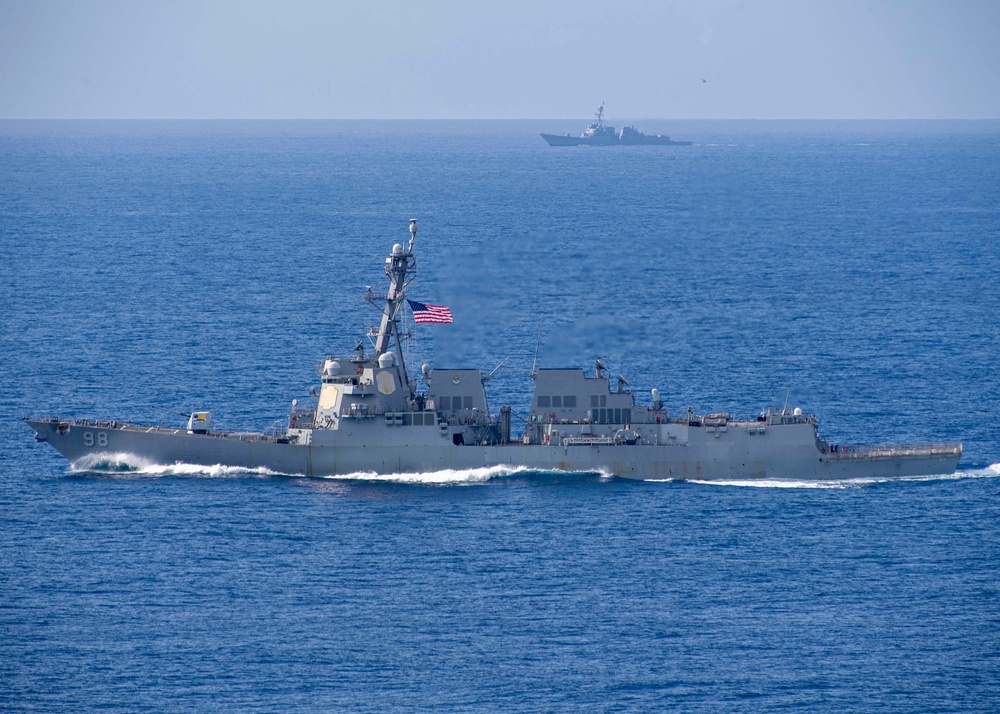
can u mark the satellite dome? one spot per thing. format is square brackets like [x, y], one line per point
[331, 368]
[397, 249]
[386, 360]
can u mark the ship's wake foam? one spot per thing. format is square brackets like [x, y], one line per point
[458, 477]
[991, 471]
[130, 465]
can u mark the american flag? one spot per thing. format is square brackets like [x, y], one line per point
[437, 314]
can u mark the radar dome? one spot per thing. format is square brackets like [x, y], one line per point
[425, 369]
[397, 249]
[798, 411]
[331, 368]
[386, 360]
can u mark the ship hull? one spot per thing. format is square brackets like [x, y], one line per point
[785, 456]
[566, 140]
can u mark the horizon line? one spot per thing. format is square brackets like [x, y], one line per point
[480, 119]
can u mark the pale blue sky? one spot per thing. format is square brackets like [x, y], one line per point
[302, 59]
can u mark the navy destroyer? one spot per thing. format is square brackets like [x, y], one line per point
[600, 134]
[371, 415]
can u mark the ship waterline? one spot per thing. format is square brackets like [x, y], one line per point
[371, 416]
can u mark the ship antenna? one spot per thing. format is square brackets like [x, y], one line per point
[785, 406]
[400, 267]
[538, 341]
[489, 376]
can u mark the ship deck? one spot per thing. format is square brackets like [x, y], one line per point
[883, 452]
[250, 436]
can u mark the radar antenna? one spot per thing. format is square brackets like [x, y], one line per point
[400, 268]
[413, 233]
[534, 362]
[489, 376]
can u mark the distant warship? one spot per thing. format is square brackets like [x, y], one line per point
[600, 134]
[369, 415]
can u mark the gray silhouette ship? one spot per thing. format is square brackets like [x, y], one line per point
[600, 134]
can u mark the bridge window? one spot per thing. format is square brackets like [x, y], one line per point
[595, 400]
[569, 401]
[543, 402]
[557, 401]
[468, 402]
[445, 403]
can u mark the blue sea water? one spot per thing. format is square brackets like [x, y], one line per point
[851, 267]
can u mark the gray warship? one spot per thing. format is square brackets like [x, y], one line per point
[370, 415]
[600, 134]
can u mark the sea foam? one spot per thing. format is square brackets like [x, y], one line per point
[991, 471]
[124, 464]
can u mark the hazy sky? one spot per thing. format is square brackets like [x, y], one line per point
[725, 59]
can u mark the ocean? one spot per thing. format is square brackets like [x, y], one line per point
[154, 268]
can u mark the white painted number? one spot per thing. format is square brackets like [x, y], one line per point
[102, 438]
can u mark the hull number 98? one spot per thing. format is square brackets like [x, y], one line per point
[89, 440]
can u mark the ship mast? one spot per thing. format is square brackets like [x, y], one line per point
[399, 267]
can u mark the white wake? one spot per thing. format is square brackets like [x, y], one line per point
[130, 465]
[122, 464]
[450, 476]
[991, 471]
